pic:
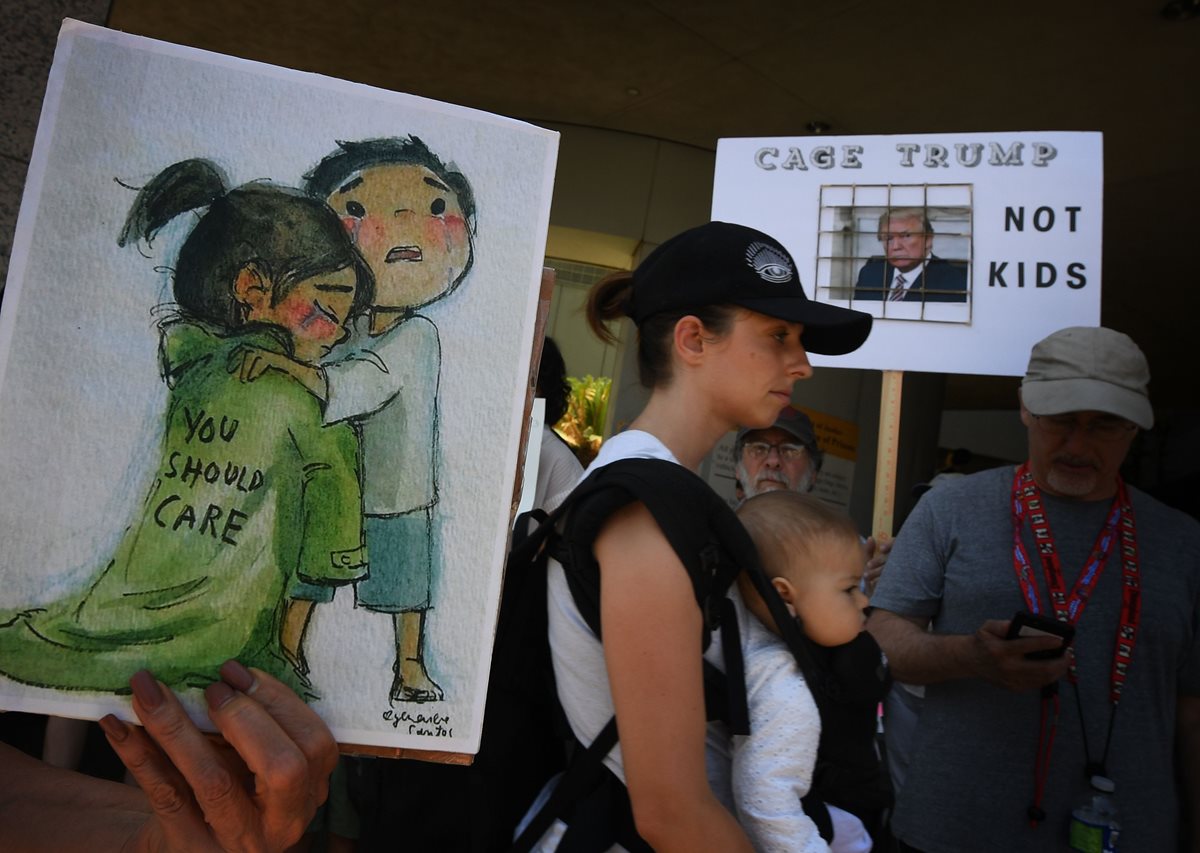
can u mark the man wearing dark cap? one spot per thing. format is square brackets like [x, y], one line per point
[1007, 746]
[783, 456]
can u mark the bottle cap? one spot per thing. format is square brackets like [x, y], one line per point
[1103, 783]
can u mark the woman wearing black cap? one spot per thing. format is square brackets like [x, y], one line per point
[724, 328]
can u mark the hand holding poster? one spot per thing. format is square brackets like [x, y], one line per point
[243, 389]
[966, 248]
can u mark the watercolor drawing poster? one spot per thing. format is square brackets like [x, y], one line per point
[264, 351]
[967, 248]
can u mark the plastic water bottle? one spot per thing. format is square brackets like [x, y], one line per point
[1094, 825]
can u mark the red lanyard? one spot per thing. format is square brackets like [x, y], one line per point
[1027, 504]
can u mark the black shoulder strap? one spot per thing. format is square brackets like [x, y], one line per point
[701, 529]
[704, 532]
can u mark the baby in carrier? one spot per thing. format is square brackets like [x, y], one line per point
[811, 725]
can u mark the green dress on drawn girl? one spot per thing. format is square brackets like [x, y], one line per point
[251, 492]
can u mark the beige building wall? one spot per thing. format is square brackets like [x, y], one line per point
[27, 42]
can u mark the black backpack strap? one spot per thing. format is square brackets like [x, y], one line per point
[526, 525]
[705, 534]
[818, 813]
[789, 627]
[849, 772]
[530, 531]
[602, 820]
[702, 530]
[736, 711]
[575, 783]
[521, 622]
[606, 814]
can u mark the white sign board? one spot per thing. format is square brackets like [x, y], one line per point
[967, 248]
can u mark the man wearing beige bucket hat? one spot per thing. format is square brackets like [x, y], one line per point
[1007, 746]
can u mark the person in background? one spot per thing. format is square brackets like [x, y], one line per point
[558, 468]
[1006, 745]
[785, 455]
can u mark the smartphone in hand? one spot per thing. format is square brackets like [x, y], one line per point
[1026, 624]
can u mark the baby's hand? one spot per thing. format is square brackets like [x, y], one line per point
[250, 362]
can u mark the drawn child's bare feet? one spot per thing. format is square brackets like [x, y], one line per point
[413, 684]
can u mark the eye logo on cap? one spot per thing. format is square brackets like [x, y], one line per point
[770, 263]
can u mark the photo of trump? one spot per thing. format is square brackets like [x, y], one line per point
[908, 270]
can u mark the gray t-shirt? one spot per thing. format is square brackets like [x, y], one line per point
[971, 780]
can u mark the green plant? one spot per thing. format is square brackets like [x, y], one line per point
[587, 410]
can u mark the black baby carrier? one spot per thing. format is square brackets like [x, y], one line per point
[713, 547]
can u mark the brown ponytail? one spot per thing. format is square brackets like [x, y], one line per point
[607, 302]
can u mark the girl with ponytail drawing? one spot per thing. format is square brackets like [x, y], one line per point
[250, 489]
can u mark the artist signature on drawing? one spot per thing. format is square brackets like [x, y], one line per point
[429, 725]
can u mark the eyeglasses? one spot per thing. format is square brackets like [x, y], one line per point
[758, 450]
[1103, 428]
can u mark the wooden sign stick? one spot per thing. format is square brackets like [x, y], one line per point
[887, 454]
